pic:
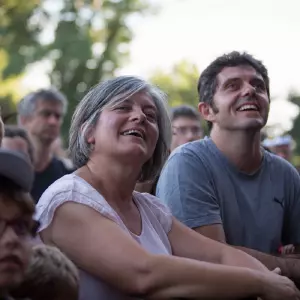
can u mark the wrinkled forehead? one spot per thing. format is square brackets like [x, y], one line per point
[244, 72]
[48, 104]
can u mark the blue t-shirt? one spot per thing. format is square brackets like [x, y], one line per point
[259, 211]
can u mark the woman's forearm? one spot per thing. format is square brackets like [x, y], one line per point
[184, 278]
[234, 257]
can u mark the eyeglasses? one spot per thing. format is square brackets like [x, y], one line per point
[184, 130]
[22, 228]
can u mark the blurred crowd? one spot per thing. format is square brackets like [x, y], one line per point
[150, 202]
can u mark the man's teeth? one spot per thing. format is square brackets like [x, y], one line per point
[133, 132]
[248, 107]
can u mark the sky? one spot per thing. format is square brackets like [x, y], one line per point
[200, 30]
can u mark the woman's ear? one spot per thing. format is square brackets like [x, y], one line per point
[89, 134]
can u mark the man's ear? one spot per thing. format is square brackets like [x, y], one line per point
[23, 121]
[206, 111]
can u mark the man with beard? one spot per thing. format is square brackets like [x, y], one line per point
[41, 114]
[227, 187]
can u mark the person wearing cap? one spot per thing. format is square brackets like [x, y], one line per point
[17, 226]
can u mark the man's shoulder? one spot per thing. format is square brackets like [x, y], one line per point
[195, 148]
[63, 164]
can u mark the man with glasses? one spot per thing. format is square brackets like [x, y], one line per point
[186, 125]
[17, 227]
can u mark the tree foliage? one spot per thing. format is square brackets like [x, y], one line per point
[180, 83]
[85, 41]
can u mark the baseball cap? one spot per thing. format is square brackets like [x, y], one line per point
[15, 166]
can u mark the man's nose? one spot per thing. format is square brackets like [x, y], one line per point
[248, 90]
[9, 238]
[53, 120]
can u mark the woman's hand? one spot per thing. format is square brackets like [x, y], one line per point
[276, 287]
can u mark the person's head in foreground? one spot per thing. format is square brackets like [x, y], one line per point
[234, 94]
[122, 116]
[17, 139]
[50, 276]
[17, 226]
[186, 125]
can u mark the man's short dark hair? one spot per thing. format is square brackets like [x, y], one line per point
[12, 131]
[207, 83]
[184, 111]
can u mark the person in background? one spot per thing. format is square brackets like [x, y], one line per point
[50, 276]
[126, 244]
[227, 187]
[17, 227]
[16, 138]
[41, 114]
[282, 146]
[186, 125]
[60, 152]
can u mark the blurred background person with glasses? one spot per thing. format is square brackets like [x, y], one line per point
[17, 227]
[186, 125]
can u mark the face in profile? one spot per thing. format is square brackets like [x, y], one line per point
[185, 130]
[15, 235]
[129, 129]
[240, 102]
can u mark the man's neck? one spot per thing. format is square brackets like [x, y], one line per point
[242, 148]
[43, 155]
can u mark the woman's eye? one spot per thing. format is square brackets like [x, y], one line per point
[122, 108]
[151, 116]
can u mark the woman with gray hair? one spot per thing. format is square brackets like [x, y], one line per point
[126, 244]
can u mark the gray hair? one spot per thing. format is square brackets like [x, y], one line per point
[108, 94]
[27, 105]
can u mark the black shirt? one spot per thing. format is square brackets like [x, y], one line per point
[55, 170]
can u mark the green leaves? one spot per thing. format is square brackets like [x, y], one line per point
[85, 40]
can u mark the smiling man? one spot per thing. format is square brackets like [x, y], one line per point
[227, 187]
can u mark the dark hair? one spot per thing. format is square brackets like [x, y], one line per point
[16, 194]
[186, 111]
[207, 83]
[12, 131]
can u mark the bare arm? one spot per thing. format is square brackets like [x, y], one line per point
[290, 267]
[109, 253]
[188, 243]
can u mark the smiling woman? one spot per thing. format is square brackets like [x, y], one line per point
[126, 243]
